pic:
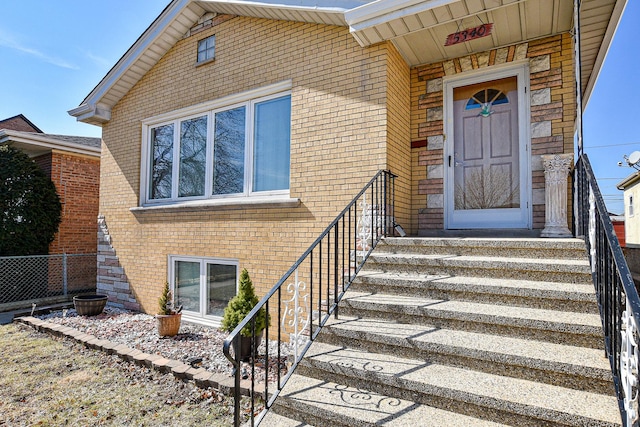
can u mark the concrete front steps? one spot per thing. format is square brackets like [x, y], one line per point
[459, 332]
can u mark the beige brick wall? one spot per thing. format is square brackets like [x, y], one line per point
[338, 141]
[552, 91]
[398, 135]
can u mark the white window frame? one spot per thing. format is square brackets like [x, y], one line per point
[200, 317]
[248, 99]
[630, 205]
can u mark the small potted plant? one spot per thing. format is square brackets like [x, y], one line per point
[237, 309]
[168, 318]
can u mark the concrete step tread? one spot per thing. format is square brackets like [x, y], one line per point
[472, 309]
[513, 242]
[510, 286]
[518, 395]
[276, 420]
[488, 260]
[532, 353]
[354, 406]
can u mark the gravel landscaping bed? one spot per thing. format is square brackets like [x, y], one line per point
[139, 331]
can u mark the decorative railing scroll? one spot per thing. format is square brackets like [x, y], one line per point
[616, 292]
[629, 365]
[297, 315]
[308, 294]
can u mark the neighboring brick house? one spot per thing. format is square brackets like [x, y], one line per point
[73, 164]
[335, 91]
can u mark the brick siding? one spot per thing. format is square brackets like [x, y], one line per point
[76, 178]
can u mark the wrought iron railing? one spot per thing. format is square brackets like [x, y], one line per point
[308, 294]
[615, 290]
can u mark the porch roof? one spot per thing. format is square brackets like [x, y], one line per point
[35, 144]
[417, 28]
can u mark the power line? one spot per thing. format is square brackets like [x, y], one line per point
[614, 145]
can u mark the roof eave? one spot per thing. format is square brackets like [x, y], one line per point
[94, 110]
[89, 111]
[628, 181]
[91, 114]
[42, 141]
[381, 11]
[610, 32]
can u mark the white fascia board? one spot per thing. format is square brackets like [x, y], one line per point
[91, 114]
[283, 6]
[89, 107]
[383, 11]
[629, 181]
[614, 22]
[8, 136]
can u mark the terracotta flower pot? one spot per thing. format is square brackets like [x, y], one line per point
[168, 324]
[89, 305]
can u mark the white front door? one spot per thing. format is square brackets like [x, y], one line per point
[486, 157]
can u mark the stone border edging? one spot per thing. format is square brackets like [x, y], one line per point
[202, 378]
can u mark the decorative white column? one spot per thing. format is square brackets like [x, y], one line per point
[556, 170]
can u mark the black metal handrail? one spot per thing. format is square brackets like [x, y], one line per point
[617, 296]
[320, 278]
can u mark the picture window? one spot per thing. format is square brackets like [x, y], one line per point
[239, 150]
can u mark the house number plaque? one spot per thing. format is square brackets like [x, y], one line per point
[469, 34]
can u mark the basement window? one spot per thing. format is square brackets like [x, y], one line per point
[206, 49]
[203, 286]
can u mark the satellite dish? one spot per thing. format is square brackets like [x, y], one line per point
[634, 157]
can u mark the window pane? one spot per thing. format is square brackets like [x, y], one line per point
[193, 157]
[228, 152]
[187, 285]
[162, 148]
[221, 283]
[271, 144]
[206, 48]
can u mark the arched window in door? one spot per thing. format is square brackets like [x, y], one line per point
[485, 99]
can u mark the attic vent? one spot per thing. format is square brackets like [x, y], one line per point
[207, 17]
[206, 21]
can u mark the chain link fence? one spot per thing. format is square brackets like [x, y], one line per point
[41, 277]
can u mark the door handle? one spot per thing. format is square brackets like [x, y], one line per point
[449, 161]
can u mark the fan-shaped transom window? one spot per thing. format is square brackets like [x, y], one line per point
[486, 97]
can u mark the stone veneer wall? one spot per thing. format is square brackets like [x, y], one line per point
[552, 91]
[112, 280]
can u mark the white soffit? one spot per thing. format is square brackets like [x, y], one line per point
[330, 13]
[599, 22]
[418, 28]
[172, 24]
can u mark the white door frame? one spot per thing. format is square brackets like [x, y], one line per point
[524, 219]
